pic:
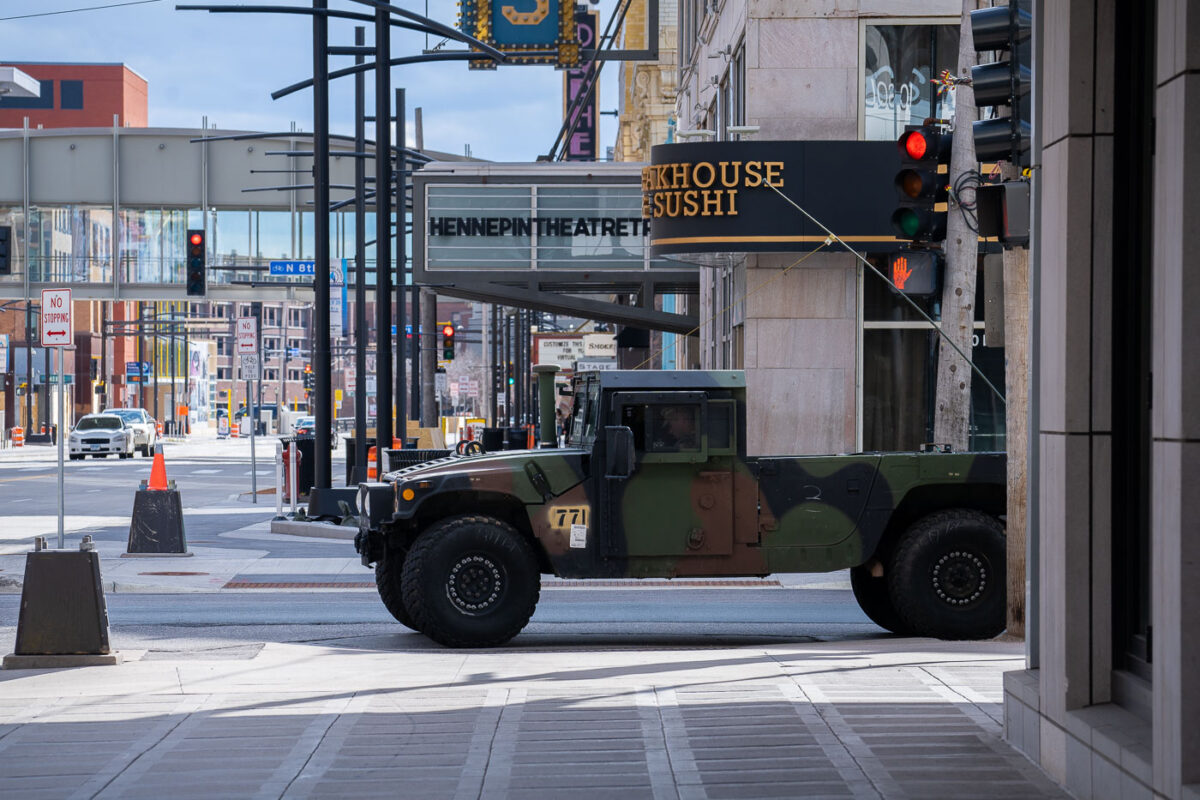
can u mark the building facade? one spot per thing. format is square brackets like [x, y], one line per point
[834, 362]
[1110, 704]
[79, 96]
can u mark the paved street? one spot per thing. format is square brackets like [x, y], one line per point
[264, 665]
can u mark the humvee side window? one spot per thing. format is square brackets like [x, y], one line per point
[634, 418]
[583, 414]
[674, 429]
[721, 425]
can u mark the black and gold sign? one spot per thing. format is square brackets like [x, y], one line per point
[724, 196]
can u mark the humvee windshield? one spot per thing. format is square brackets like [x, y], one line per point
[584, 413]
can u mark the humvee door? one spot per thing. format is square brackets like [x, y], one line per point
[678, 501]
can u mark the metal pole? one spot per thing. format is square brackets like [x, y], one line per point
[171, 367]
[187, 373]
[105, 313]
[401, 272]
[360, 276]
[278, 479]
[414, 352]
[429, 358]
[141, 355]
[256, 310]
[29, 384]
[253, 460]
[383, 238]
[154, 358]
[322, 466]
[60, 448]
[494, 343]
[294, 491]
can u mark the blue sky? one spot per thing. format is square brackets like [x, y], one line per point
[225, 66]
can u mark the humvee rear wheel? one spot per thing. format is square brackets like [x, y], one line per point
[388, 572]
[471, 581]
[875, 601]
[947, 578]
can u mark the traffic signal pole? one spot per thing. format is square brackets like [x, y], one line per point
[360, 277]
[322, 422]
[383, 238]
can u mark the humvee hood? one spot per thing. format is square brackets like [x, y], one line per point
[530, 474]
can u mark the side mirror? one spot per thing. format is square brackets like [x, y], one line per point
[618, 447]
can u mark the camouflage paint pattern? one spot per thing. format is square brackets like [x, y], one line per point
[720, 513]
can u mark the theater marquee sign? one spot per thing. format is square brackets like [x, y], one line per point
[725, 196]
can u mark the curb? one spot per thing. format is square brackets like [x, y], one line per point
[322, 530]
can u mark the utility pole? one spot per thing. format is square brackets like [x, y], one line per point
[953, 395]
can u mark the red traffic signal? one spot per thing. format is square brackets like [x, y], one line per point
[448, 331]
[196, 266]
[921, 184]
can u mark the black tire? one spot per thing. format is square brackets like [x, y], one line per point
[389, 570]
[471, 581]
[875, 601]
[947, 578]
[76, 458]
[126, 455]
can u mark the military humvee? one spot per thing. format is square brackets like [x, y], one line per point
[459, 544]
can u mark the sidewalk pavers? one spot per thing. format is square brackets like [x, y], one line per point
[873, 718]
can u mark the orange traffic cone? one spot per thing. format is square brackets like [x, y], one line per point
[158, 471]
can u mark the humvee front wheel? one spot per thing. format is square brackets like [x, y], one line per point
[947, 577]
[389, 570]
[471, 581]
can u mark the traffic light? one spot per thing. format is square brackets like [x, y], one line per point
[511, 378]
[309, 378]
[447, 342]
[921, 185]
[197, 282]
[1002, 83]
[5, 249]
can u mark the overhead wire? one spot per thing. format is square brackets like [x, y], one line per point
[741, 299]
[937, 327]
[76, 10]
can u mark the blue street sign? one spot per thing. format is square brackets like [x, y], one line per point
[293, 352]
[293, 267]
[134, 368]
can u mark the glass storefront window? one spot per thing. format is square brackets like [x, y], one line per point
[899, 382]
[899, 63]
[899, 371]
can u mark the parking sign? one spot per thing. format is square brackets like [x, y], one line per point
[58, 323]
[247, 336]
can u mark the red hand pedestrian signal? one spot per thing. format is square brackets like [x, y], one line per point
[900, 271]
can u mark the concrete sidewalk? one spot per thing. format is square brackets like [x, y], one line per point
[373, 716]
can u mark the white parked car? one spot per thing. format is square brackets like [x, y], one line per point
[144, 429]
[100, 435]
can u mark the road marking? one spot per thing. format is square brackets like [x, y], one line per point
[205, 472]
